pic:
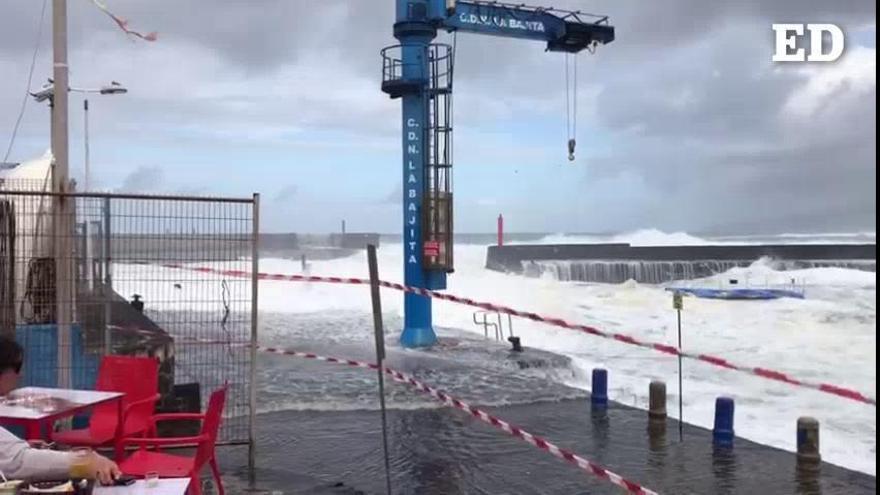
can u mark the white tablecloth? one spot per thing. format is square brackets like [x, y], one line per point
[171, 486]
[21, 404]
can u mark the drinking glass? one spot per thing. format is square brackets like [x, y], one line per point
[81, 465]
[152, 479]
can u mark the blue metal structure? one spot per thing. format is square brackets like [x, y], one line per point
[420, 74]
[40, 344]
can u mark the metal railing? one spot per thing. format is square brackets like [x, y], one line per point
[481, 318]
[437, 65]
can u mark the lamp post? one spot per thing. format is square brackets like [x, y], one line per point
[112, 89]
[47, 93]
[63, 208]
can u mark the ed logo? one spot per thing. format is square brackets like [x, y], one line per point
[787, 40]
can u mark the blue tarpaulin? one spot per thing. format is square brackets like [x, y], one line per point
[756, 294]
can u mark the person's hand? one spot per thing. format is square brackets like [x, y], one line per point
[104, 470]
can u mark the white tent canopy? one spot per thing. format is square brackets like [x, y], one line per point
[31, 219]
[29, 175]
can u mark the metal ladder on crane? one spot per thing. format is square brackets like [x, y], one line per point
[437, 211]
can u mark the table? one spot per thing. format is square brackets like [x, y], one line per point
[168, 486]
[33, 407]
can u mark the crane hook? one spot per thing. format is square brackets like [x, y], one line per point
[571, 102]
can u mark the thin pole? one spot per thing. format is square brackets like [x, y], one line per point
[255, 270]
[108, 280]
[87, 221]
[86, 128]
[680, 381]
[380, 353]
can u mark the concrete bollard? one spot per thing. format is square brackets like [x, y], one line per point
[599, 394]
[657, 401]
[137, 304]
[515, 343]
[808, 443]
[722, 432]
[656, 435]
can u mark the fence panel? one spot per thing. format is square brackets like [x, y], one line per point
[86, 274]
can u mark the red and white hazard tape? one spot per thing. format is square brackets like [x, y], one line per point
[534, 440]
[769, 374]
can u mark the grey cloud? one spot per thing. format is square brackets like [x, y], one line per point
[286, 193]
[143, 179]
[394, 196]
[704, 127]
[686, 93]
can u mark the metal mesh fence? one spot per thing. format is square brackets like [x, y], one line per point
[84, 275]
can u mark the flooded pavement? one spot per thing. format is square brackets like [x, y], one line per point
[442, 451]
[319, 428]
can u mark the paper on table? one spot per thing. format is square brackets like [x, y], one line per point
[170, 486]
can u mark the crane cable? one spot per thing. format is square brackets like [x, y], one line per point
[571, 102]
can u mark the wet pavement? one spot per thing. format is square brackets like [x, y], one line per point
[437, 450]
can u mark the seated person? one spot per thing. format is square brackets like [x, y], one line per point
[18, 460]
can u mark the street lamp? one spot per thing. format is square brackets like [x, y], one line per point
[47, 92]
[114, 88]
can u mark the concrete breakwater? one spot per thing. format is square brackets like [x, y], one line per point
[196, 247]
[616, 263]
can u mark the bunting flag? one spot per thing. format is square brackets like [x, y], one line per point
[123, 23]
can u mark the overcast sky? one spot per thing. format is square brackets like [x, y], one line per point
[684, 123]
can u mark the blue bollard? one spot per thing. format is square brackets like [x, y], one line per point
[599, 394]
[722, 433]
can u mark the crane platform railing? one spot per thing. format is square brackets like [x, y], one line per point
[440, 56]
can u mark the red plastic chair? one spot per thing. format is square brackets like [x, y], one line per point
[143, 460]
[138, 379]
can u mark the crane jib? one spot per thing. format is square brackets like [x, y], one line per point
[502, 22]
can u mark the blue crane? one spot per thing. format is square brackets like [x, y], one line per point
[420, 72]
